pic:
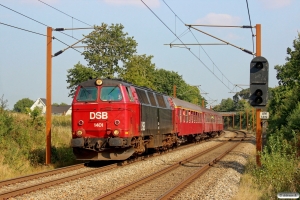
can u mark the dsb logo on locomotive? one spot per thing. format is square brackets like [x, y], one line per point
[98, 115]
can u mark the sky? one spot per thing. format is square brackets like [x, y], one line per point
[220, 69]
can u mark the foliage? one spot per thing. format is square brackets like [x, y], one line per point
[3, 103]
[289, 73]
[243, 94]
[107, 47]
[226, 105]
[38, 120]
[77, 75]
[22, 144]
[279, 172]
[63, 121]
[61, 104]
[165, 80]
[139, 70]
[284, 105]
[22, 104]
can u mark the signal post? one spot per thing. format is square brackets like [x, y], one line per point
[259, 72]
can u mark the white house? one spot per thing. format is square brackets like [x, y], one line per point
[56, 110]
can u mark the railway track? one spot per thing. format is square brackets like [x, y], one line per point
[14, 187]
[175, 177]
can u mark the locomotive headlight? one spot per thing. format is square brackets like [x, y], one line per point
[79, 133]
[98, 82]
[116, 132]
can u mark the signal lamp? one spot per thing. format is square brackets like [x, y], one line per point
[98, 82]
[259, 65]
[258, 92]
[259, 78]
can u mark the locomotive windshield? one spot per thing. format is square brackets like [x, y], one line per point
[87, 94]
[110, 93]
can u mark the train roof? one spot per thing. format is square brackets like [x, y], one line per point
[113, 82]
[186, 105]
[105, 82]
[190, 106]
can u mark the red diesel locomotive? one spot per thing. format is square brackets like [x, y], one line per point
[113, 120]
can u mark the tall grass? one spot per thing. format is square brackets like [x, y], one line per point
[279, 171]
[23, 141]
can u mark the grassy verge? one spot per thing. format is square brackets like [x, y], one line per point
[280, 171]
[23, 141]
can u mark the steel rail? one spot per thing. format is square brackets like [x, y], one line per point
[41, 174]
[119, 191]
[32, 188]
[180, 186]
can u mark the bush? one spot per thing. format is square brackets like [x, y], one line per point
[22, 144]
[279, 172]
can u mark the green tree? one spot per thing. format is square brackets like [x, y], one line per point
[61, 104]
[22, 104]
[165, 80]
[108, 47]
[226, 105]
[285, 97]
[139, 70]
[3, 103]
[77, 75]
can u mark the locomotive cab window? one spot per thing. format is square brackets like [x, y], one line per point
[129, 93]
[87, 94]
[110, 93]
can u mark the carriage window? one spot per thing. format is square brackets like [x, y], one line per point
[87, 94]
[110, 93]
[180, 115]
[186, 116]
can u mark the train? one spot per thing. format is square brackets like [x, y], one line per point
[114, 120]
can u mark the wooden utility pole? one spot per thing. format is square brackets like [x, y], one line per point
[247, 119]
[253, 119]
[240, 120]
[48, 94]
[174, 91]
[233, 121]
[258, 110]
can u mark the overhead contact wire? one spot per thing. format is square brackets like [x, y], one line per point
[23, 29]
[198, 43]
[185, 45]
[33, 19]
[250, 25]
[33, 31]
[64, 13]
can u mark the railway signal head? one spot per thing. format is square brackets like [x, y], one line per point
[259, 78]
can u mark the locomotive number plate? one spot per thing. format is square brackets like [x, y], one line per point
[99, 125]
